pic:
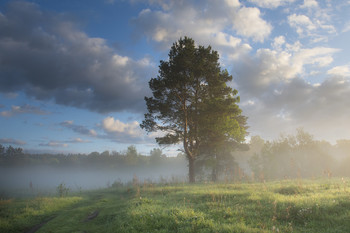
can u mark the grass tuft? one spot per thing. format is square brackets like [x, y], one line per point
[292, 190]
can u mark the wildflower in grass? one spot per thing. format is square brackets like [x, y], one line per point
[275, 229]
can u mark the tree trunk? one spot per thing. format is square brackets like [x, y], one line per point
[215, 169]
[191, 174]
[214, 174]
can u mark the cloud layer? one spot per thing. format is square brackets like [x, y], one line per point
[206, 21]
[12, 141]
[80, 129]
[49, 57]
[284, 56]
[291, 82]
[24, 109]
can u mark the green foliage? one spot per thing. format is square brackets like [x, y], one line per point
[20, 215]
[291, 190]
[2, 150]
[285, 206]
[192, 103]
[128, 159]
[117, 184]
[131, 156]
[157, 157]
[62, 190]
[293, 156]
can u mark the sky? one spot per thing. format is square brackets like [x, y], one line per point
[74, 73]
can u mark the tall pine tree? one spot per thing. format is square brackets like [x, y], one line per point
[192, 103]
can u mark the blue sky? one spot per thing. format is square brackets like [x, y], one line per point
[73, 74]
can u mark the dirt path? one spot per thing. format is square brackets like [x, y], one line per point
[37, 227]
[92, 215]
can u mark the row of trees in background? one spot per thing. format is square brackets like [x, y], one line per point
[11, 156]
[288, 157]
[297, 156]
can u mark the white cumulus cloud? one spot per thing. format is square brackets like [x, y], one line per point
[309, 4]
[271, 3]
[301, 23]
[111, 125]
[249, 23]
[207, 22]
[340, 71]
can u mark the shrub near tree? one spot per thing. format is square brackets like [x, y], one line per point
[192, 103]
[156, 157]
[298, 156]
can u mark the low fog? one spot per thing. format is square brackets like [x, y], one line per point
[297, 156]
[294, 156]
[32, 174]
[19, 181]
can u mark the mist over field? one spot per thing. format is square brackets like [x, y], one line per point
[45, 179]
[288, 157]
[23, 174]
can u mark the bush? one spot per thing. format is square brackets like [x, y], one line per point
[291, 190]
[62, 190]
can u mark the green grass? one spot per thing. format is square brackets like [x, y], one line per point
[283, 206]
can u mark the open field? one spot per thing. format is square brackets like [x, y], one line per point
[281, 206]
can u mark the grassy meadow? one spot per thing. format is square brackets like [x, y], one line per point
[280, 206]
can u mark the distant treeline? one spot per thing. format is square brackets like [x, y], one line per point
[11, 156]
[296, 156]
[290, 156]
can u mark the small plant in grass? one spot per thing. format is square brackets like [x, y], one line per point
[62, 190]
[117, 184]
[291, 190]
[325, 186]
[135, 181]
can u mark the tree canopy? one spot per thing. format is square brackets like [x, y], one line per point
[192, 102]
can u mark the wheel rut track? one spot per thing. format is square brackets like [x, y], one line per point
[38, 226]
[90, 217]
